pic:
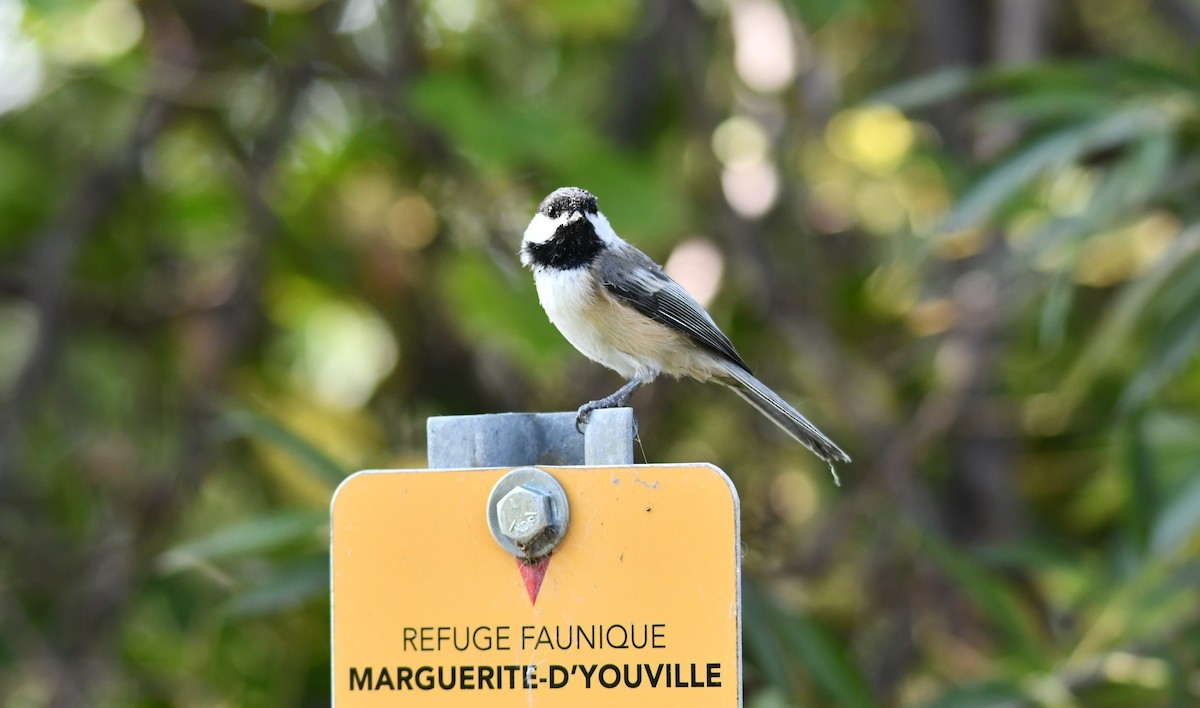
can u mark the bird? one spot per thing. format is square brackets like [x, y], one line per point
[621, 310]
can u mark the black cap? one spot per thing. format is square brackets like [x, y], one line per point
[568, 200]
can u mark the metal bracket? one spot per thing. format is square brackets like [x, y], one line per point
[519, 439]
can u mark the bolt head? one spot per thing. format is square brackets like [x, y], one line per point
[524, 514]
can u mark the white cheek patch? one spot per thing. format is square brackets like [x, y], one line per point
[542, 228]
[604, 230]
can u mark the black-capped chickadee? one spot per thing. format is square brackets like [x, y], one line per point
[618, 307]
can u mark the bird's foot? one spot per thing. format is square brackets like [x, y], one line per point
[585, 411]
[619, 399]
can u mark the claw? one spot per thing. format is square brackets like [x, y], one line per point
[619, 399]
[585, 412]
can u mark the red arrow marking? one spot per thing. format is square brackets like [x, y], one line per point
[533, 574]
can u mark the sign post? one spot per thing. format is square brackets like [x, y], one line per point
[534, 581]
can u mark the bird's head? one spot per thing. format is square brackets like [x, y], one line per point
[566, 232]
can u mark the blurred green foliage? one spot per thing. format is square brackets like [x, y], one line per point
[248, 247]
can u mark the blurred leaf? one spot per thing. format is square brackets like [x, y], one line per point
[816, 13]
[1117, 76]
[763, 648]
[1142, 75]
[244, 423]
[992, 596]
[927, 89]
[24, 165]
[254, 537]
[501, 314]
[1141, 602]
[1002, 182]
[768, 697]
[295, 585]
[823, 658]
[989, 694]
[1179, 521]
[1174, 345]
[1146, 166]
[513, 135]
[1143, 487]
[1044, 90]
[586, 19]
[642, 200]
[812, 646]
[639, 197]
[1117, 328]
[1123, 189]
[1180, 293]
[1026, 554]
[1047, 106]
[1053, 320]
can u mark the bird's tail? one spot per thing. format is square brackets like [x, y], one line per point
[783, 415]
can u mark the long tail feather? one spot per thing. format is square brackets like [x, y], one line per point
[784, 415]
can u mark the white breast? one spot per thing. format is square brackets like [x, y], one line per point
[573, 301]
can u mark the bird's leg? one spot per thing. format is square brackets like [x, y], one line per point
[619, 399]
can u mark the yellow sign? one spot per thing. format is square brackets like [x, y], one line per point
[639, 606]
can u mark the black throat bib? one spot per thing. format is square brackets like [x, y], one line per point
[574, 245]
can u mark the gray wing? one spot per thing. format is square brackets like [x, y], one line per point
[636, 280]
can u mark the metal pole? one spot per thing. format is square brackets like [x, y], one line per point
[521, 439]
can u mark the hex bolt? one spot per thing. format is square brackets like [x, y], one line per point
[524, 514]
[528, 513]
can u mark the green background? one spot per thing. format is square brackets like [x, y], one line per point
[248, 247]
